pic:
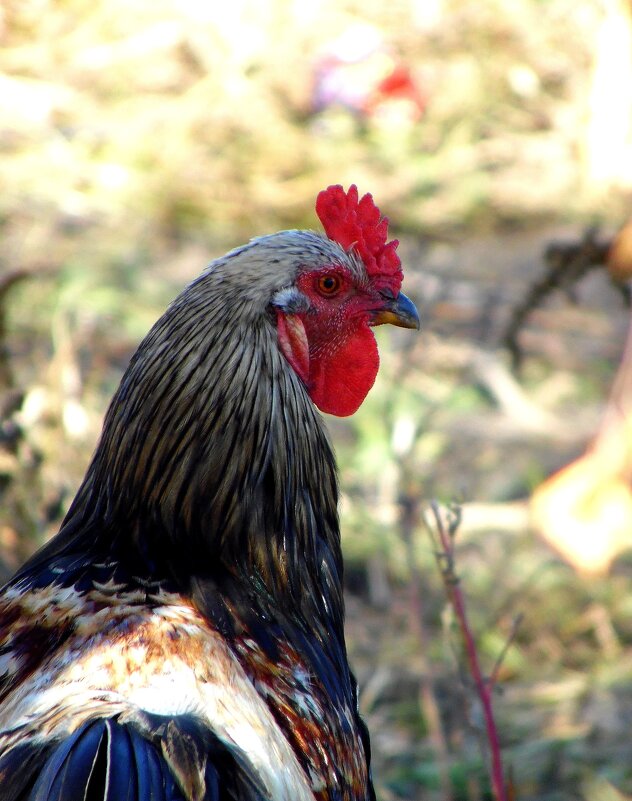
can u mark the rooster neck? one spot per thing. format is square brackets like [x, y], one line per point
[214, 467]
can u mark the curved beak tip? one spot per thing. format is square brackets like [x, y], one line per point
[400, 312]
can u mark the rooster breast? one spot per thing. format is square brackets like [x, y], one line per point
[140, 662]
[136, 659]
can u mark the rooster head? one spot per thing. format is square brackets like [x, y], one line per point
[212, 452]
[324, 320]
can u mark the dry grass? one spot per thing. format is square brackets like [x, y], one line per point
[138, 140]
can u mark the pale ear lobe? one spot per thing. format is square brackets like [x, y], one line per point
[290, 300]
[293, 343]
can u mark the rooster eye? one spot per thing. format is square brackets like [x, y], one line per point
[329, 285]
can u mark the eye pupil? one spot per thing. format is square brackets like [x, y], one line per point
[329, 284]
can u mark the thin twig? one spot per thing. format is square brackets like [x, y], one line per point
[493, 676]
[443, 537]
[566, 264]
[408, 495]
[409, 514]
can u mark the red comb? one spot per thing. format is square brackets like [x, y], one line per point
[359, 224]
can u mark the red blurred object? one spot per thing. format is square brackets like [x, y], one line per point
[358, 72]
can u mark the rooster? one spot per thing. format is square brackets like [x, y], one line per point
[181, 638]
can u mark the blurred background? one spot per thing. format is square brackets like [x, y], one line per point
[139, 140]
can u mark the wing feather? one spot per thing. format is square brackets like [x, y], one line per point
[121, 769]
[67, 770]
[151, 781]
[19, 769]
[153, 759]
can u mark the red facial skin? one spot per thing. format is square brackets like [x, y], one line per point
[331, 346]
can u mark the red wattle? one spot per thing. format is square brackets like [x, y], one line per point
[340, 377]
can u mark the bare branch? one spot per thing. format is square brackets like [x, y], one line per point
[443, 530]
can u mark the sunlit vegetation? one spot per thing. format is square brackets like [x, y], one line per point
[138, 140]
